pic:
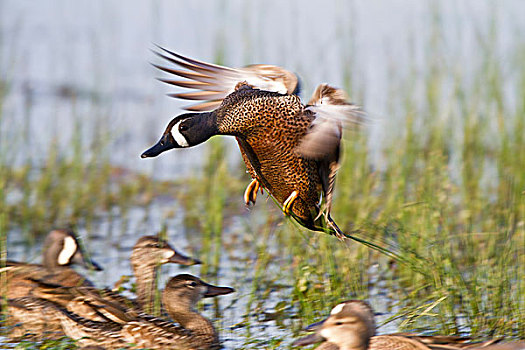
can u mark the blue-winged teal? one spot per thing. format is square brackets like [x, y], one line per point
[193, 330]
[61, 249]
[290, 149]
[351, 326]
[148, 254]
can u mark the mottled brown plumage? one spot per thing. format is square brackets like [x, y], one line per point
[30, 318]
[290, 149]
[351, 326]
[148, 254]
[27, 319]
[193, 331]
[61, 249]
[256, 118]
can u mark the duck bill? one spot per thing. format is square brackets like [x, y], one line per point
[214, 291]
[165, 143]
[181, 259]
[314, 327]
[309, 339]
[312, 338]
[82, 259]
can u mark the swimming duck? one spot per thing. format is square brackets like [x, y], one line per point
[290, 149]
[61, 249]
[179, 297]
[148, 254]
[351, 326]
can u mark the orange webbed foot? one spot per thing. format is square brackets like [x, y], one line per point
[287, 205]
[250, 195]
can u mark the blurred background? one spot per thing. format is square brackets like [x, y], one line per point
[439, 165]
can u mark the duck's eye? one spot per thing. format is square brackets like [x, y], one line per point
[338, 323]
[192, 284]
[162, 142]
[183, 127]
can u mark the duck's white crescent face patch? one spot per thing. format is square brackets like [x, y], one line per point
[179, 138]
[327, 333]
[168, 254]
[69, 249]
[337, 309]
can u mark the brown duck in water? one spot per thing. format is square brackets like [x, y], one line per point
[351, 326]
[290, 149]
[148, 254]
[61, 249]
[182, 292]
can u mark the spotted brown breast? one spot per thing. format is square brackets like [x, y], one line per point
[269, 127]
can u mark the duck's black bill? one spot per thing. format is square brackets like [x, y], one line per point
[81, 259]
[213, 291]
[95, 266]
[309, 339]
[314, 327]
[182, 259]
[165, 143]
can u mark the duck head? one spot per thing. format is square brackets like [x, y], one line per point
[150, 251]
[62, 248]
[184, 291]
[185, 130]
[349, 326]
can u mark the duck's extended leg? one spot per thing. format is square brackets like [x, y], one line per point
[331, 223]
[250, 195]
[287, 205]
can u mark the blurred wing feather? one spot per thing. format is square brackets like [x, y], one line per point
[213, 82]
[331, 111]
[200, 95]
[197, 85]
[204, 106]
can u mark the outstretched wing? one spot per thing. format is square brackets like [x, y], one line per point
[211, 83]
[331, 111]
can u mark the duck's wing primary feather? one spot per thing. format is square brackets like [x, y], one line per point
[331, 111]
[211, 83]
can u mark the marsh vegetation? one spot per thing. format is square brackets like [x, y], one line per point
[443, 188]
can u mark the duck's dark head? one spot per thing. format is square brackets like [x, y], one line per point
[185, 130]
